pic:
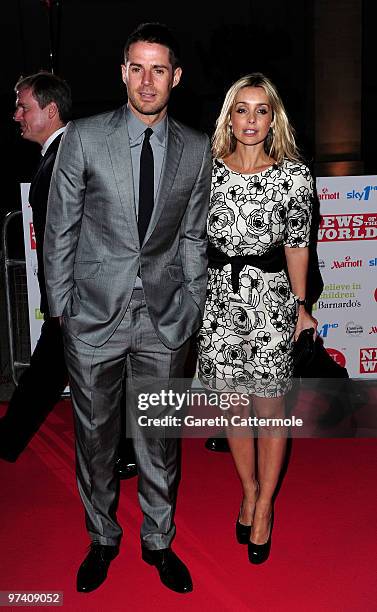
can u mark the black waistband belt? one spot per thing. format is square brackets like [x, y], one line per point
[272, 261]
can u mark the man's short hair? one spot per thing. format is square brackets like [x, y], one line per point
[155, 33]
[46, 88]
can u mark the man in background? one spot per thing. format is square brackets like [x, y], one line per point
[43, 107]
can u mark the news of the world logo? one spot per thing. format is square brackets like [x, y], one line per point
[348, 227]
[368, 360]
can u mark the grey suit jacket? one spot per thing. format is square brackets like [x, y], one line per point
[92, 251]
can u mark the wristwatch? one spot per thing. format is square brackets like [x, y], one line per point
[302, 302]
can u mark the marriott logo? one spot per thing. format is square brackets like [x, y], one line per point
[347, 262]
[325, 194]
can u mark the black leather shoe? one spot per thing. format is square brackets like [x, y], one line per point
[8, 450]
[242, 533]
[173, 572]
[8, 454]
[93, 570]
[219, 445]
[125, 469]
[259, 553]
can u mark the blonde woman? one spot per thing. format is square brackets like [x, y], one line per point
[258, 229]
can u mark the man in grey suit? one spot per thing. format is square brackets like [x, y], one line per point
[126, 271]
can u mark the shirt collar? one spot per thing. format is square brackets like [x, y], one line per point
[51, 139]
[136, 128]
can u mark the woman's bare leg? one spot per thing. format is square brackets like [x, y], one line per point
[241, 444]
[271, 452]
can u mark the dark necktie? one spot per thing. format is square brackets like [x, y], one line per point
[146, 186]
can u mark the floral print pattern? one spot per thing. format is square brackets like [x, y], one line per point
[245, 343]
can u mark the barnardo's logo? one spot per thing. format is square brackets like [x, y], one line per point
[354, 329]
[368, 360]
[325, 194]
[324, 330]
[339, 295]
[364, 194]
[347, 262]
[348, 227]
[38, 314]
[373, 329]
[337, 356]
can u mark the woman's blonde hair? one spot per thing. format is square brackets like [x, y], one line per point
[280, 142]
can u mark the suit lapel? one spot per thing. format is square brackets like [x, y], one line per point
[119, 149]
[174, 151]
[42, 162]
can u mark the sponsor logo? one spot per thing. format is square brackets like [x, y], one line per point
[324, 331]
[333, 305]
[347, 262]
[328, 195]
[372, 262]
[337, 356]
[375, 294]
[38, 314]
[348, 227]
[343, 294]
[361, 195]
[354, 329]
[368, 360]
[33, 244]
[373, 329]
[321, 263]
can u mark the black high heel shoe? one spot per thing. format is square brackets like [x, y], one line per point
[259, 553]
[243, 533]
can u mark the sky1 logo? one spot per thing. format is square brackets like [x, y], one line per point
[361, 195]
[324, 331]
[373, 262]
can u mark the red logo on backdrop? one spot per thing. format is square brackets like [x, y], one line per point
[368, 360]
[328, 195]
[32, 237]
[375, 294]
[337, 356]
[348, 227]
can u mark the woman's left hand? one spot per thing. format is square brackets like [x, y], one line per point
[305, 321]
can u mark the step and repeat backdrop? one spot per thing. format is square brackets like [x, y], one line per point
[347, 251]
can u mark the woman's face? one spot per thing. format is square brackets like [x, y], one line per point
[251, 116]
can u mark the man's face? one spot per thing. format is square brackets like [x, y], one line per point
[34, 120]
[149, 77]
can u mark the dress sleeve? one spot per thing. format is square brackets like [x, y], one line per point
[299, 209]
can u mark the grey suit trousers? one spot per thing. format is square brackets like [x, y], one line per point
[96, 375]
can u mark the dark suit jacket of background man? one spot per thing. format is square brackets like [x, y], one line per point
[38, 196]
[40, 386]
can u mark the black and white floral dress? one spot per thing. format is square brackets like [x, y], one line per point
[245, 343]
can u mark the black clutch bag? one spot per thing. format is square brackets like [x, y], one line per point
[303, 350]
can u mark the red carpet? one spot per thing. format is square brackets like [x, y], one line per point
[323, 546]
